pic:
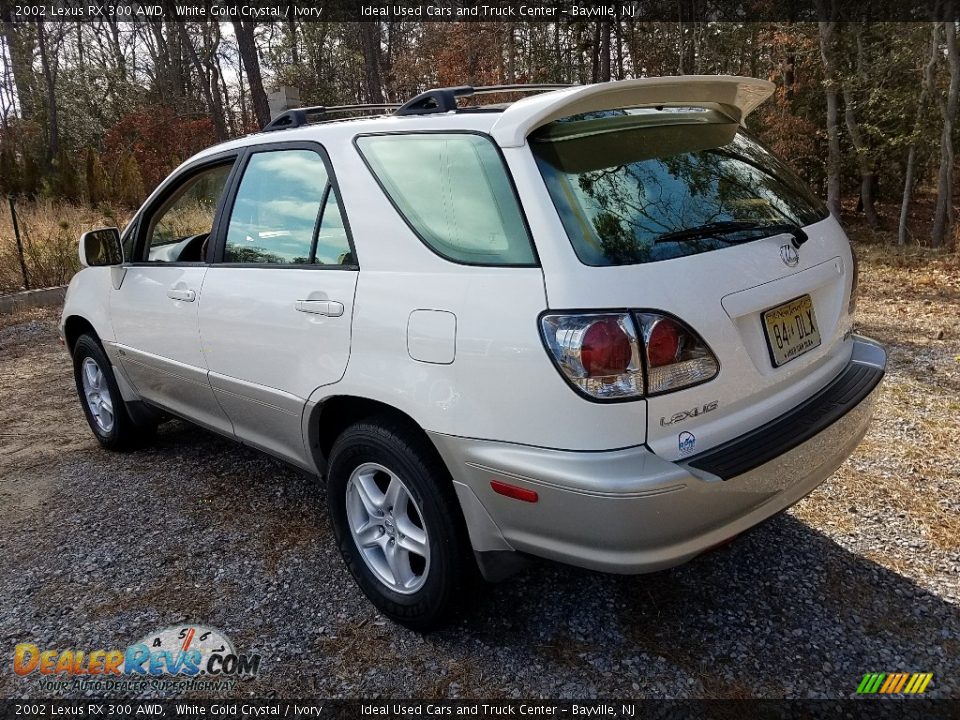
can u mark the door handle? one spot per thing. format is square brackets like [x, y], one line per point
[181, 294]
[331, 308]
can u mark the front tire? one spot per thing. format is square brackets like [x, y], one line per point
[103, 406]
[398, 523]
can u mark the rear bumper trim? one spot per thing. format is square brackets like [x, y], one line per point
[760, 446]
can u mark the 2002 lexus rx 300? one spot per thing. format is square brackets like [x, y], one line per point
[601, 325]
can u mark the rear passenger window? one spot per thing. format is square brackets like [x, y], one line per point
[286, 212]
[454, 191]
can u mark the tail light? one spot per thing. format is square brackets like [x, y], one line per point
[604, 355]
[597, 353]
[676, 357]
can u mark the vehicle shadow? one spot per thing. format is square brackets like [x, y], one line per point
[782, 611]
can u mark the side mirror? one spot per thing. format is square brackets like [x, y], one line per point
[101, 247]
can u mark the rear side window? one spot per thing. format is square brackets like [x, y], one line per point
[453, 190]
[286, 213]
[623, 182]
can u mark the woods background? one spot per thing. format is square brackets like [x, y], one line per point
[94, 114]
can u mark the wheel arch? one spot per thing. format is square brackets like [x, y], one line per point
[329, 417]
[76, 325]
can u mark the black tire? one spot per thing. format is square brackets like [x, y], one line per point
[122, 433]
[451, 570]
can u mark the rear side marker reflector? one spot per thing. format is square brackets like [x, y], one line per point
[512, 491]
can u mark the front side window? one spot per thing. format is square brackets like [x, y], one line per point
[179, 230]
[640, 186]
[286, 212]
[454, 191]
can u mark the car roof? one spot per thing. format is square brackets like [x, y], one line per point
[510, 124]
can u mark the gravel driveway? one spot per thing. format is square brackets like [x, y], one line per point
[97, 549]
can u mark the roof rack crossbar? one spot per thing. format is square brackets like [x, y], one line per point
[297, 117]
[441, 100]
[437, 100]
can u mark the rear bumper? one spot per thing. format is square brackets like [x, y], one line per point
[629, 511]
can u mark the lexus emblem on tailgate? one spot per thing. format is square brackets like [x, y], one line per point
[789, 255]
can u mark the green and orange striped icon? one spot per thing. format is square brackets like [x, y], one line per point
[894, 683]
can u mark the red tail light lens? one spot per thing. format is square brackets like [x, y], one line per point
[597, 353]
[606, 349]
[663, 344]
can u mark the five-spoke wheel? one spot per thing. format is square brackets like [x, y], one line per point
[97, 394]
[388, 528]
[398, 522]
[103, 405]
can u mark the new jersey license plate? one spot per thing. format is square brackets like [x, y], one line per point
[791, 330]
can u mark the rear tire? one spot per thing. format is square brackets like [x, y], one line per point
[398, 522]
[100, 398]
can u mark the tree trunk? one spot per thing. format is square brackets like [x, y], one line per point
[19, 37]
[942, 217]
[292, 34]
[827, 29]
[251, 65]
[208, 86]
[370, 47]
[618, 33]
[53, 125]
[595, 54]
[511, 75]
[910, 172]
[605, 51]
[864, 163]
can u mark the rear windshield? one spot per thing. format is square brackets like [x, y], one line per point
[625, 182]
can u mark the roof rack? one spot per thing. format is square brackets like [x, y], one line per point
[298, 117]
[441, 100]
[437, 100]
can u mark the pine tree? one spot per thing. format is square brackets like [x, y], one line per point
[30, 180]
[66, 182]
[9, 172]
[98, 184]
[130, 191]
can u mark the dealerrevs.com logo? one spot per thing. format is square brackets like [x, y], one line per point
[176, 658]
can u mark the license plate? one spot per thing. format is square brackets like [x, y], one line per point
[791, 330]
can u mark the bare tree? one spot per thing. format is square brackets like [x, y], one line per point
[926, 89]
[864, 160]
[208, 83]
[370, 47]
[828, 54]
[948, 109]
[251, 65]
[20, 44]
[50, 81]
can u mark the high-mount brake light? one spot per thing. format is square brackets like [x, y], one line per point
[624, 356]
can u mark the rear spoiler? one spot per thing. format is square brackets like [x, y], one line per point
[734, 96]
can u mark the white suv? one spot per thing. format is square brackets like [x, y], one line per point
[600, 324]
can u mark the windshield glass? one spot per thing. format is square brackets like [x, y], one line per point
[628, 184]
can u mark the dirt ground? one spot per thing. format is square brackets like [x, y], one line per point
[98, 549]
